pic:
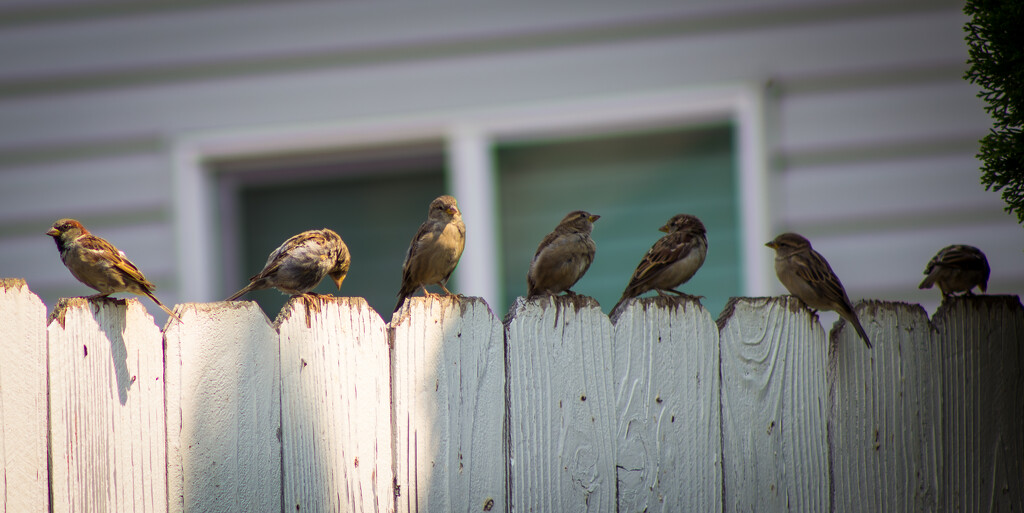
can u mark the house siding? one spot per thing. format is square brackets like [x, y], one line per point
[871, 132]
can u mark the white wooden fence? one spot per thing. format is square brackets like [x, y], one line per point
[556, 409]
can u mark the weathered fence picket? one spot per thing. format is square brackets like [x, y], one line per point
[335, 406]
[448, 375]
[23, 407]
[562, 415]
[558, 409]
[223, 409]
[669, 436]
[981, 341]
[106, 407]
[884, 412]
[774, 452]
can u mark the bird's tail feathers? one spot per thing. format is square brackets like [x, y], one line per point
[622, 300]
[162, 307]
[404, 293]
[860, 331]
[245, 290]
[927, 283]
[402, 296]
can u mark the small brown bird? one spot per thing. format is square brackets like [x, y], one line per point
[435, 250]
[671, 261]
[98, 264]
[564, 256]
[807, 275]
[298, 265]
[957, 268]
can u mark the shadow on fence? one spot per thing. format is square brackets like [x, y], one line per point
[555, 409]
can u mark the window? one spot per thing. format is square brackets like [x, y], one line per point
[636, 181]
[375, 198]
[516, 171]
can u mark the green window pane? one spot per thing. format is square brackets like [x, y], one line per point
[376, 214]
[635, 181]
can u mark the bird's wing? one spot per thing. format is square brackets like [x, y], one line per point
[960, 257]
[427, 229]
[814, 269]
[279, 255]
[547, 242]
[101, 250]
[666, 251]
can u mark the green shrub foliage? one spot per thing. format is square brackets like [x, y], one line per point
[995, 39]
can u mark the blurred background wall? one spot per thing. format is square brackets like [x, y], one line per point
[197, 136]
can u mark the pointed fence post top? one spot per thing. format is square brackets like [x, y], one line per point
[562, 306]
[21, 307]
[441, 307]
[316, 306]
[977, 305]
[102, 308]
[875, 315]
[639, 308]
[741, 308]
[12, 283]
[205, 315]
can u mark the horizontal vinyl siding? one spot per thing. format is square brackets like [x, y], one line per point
[96, 186]
[880, 173]
[364, 32]
[890, 264]
[881, 115]
[323, 93]
[865, 99]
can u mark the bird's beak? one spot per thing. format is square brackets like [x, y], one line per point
[593, 217]
[452, 209]
[771, 244]
[663, 229]
[337, 280]
[53, 232]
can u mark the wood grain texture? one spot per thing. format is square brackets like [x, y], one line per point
[884, 411]
[980, 341]
[448, 393]
[774, 453]
[562, 414]
[668, 402]
[106, 407]
[223, 409]
[23, 410]
[335, 407]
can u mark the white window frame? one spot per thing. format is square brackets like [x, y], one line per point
[469, 137]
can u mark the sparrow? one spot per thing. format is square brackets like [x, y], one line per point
[435, 250]
[297, 266]
[957, 268]
[563, 256]
[671, 261]
[98, 264]
[807, 275]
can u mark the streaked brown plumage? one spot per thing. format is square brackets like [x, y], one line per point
[957, 268]
[807, 275]
[671, 261]
[299, 264]
[435, 250]
[98, 264]
[564, 256]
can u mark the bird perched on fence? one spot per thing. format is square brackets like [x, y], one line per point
[435, 250]
[563, 256]
[957, 268]
[807, 275]
[298, 265]
[671, 261]
[98, 264]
